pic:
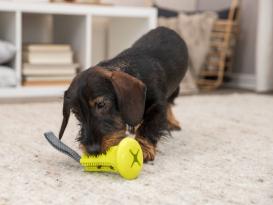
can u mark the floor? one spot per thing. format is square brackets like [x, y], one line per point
[223, 155]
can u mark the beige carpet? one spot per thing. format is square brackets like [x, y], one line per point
[224, 155]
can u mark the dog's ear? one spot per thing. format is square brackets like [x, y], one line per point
[131, 94]
[66, 113]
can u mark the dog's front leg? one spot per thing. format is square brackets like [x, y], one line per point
[154, 125]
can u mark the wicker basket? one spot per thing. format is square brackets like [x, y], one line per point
[220, 57]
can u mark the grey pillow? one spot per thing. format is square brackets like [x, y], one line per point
[7, 77]
[7, 51]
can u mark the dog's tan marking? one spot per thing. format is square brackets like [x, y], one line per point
[173, 124]
[112, 140]
[148, 148]
[108, 141]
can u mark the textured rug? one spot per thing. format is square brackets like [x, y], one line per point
[223, 155]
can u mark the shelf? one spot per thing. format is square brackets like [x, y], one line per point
[38, 91]
[94, 32]
[78, 9]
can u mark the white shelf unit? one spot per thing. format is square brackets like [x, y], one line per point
[94, 32]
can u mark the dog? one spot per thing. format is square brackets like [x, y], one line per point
[132, 91]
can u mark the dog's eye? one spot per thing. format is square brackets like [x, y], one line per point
[101, 104]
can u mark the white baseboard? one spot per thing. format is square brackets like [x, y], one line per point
[239, 80]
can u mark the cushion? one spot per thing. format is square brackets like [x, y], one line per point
[7, 77]
[7, 51]
[167, 13]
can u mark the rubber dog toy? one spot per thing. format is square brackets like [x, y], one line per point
[126, 158]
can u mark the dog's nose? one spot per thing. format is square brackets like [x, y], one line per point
[93, 149]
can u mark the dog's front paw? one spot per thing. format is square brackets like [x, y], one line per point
[174, 125]
[148, 148]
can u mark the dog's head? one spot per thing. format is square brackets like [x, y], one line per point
[104, 102]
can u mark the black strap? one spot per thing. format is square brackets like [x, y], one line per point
[57, 144]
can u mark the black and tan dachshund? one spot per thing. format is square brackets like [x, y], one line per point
[135, 89]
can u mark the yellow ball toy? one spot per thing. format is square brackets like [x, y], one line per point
[126, 159]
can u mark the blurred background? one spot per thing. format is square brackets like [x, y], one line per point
[44, 44]
[222, 155]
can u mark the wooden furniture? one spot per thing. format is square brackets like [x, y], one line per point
[94, 32]
[219, 59]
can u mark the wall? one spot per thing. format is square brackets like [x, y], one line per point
[264, 54]
[179, 5]
[246, 49]
[212, 4]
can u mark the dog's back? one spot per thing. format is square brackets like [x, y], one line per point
[160, 54]
[164, 44]
[169, 49]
